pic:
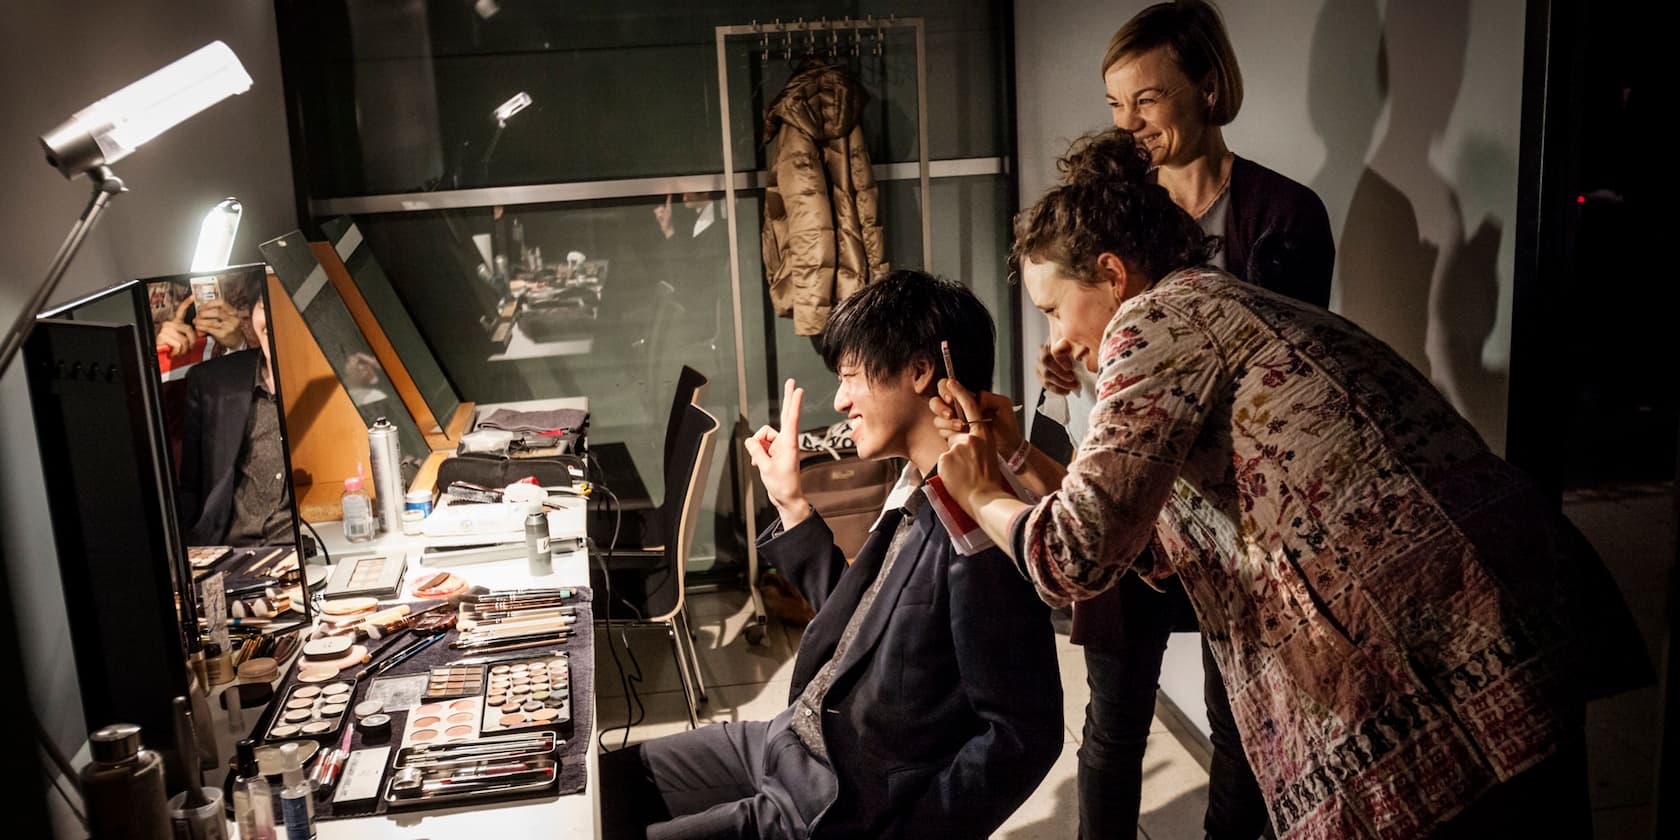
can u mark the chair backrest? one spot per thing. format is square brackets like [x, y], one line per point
[690, 384]
[686, 472]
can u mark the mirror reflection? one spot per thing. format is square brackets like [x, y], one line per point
[220, 408]
[343, 344]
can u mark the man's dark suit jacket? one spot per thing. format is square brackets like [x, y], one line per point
[947, 710]
[218, 408]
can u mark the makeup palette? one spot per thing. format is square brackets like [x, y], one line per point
[445, 722]
[455, 681]
[310, 711]
[378, 575]
[529, 693]
[203, 556]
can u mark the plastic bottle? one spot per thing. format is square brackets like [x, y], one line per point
[295, 801]
[123, 787]
[358, 511]
[253, 800]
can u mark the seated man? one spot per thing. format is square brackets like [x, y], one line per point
[926, 699]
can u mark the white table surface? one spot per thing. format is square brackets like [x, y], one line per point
[520, 346]
[573, 816]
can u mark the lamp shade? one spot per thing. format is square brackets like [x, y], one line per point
[109, 130]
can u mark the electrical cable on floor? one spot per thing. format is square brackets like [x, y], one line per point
[633, 715]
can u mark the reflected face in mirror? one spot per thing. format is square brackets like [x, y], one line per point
[224, 421]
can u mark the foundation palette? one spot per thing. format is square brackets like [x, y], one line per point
[454, 681]
[529, 693]
[310, 711]
[443, 722]
[377, 575]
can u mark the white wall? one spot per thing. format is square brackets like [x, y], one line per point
[56, 58]
[1403, 116]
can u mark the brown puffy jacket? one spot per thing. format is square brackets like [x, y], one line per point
[822, 239]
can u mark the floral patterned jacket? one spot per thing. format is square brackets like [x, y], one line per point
[1401, 619]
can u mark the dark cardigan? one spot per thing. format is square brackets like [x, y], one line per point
[1277, 236]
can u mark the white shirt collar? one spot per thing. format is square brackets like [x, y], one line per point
[909, 481]
[708, 215]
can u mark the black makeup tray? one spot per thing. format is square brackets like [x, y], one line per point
[572, 750]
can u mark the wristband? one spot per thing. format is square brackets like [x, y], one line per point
[1018, 461]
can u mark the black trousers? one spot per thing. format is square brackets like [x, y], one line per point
[1123, 673]
[751, 779]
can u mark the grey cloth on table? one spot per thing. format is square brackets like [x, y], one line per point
[509, 420]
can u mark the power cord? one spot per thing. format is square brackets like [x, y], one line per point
[319, 543]
[634, 710]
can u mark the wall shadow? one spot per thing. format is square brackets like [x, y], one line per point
[1406, 272]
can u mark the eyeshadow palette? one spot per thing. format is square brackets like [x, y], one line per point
[529, 693]
[310, 711]
[443, 722]
[455, 681]
[203, 556]
[378, 575]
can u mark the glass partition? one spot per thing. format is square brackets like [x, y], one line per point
[375, 287]
[608, 286]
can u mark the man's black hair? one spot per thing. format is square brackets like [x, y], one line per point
[902, 317]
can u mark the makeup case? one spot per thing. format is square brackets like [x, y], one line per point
[496, 471]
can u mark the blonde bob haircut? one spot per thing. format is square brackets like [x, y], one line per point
[1192, 31]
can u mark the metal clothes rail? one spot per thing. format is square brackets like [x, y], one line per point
[812, 38]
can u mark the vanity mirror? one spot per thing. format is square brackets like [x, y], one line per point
[160, 477]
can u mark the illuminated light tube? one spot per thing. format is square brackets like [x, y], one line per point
[112, 128]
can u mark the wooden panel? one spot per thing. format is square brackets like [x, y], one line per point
[328, 438]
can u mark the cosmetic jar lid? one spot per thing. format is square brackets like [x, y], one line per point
[116, 743]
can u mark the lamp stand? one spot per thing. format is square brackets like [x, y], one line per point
[106, 185]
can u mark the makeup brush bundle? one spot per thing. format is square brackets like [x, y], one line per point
[510, 619]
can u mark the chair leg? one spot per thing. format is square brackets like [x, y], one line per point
[693, 654]
[682, 672]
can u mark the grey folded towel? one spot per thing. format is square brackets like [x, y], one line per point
[570, 419]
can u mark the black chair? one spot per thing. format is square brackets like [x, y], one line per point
[647, 585]
[639, 526]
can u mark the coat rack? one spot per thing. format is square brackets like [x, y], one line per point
[837, 37]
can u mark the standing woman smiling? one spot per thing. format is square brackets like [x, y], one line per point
[1171, 78]
[1407, 628]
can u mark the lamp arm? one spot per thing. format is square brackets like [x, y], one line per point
[484, 163]
[106, 185]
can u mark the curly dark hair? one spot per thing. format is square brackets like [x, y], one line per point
[1108, 203]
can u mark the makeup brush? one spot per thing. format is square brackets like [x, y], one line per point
[405, 654]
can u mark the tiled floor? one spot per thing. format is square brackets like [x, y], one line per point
[748, 682]
[1635, 532]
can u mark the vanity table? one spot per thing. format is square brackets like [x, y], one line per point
[575, 815]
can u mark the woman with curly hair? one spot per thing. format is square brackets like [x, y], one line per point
[1408, 630]
[1170, 77]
